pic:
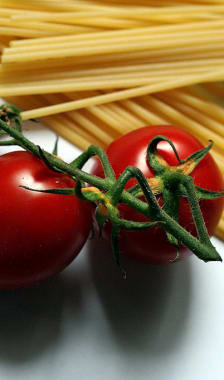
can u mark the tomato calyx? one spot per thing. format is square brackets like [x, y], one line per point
[107, 193]
[11, 116]
[175, 181]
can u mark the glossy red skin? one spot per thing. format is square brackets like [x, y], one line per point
[151, 246]
[40, 234]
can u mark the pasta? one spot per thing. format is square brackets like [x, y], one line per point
[96, 69]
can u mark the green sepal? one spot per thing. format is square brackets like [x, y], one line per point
[201, 193]
[79, 185]
[92, 196]
[129, 225]
[64, 191]
[177, 255]
[10, 114]
[8, 142]
[137, 192]
[173, 241]
[13, 114]
[199, 155]
[201, 247]
[12, 109]
[208, 194]
[44, 158]
[157, 166]
[55, 150]
[100, 219]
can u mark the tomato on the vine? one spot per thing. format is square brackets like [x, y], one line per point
[152, 245]
[40, 233]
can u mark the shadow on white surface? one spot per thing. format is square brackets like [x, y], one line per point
[148, 311]
[31, 319]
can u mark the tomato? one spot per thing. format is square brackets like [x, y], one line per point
[40, 234]
[151, 245]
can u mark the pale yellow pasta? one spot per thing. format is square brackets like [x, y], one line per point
[93, 70]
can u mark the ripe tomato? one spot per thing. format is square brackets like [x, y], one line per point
[40, 234]
[151, 245]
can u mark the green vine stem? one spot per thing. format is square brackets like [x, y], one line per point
[109, 192]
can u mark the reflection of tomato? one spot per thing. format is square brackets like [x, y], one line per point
[151, 245]
[40, 234]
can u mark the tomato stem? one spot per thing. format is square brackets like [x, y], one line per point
[93, 150]
[109, 192]
[196, 211]
[157, 163]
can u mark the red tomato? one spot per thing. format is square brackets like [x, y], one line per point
[40, 234]
[151, 245]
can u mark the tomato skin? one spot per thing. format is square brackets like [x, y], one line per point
[40, 234]
[151, 245]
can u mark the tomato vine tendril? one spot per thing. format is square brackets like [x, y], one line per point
[171, 181]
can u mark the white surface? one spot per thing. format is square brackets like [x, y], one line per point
[162, 323]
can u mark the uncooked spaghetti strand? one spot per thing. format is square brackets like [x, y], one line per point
[208, 113]
[165, 52]
[204, 121]
[87, 125]
[10, 12]
[70, 86]
[23, 32]
[219, 232]
[150, 71]
[215, 88]
[64, 120]
[40, 5]
[75, 127]
[56, 124]
[187, 111]
[120, 47]
[46, 82]
[111, 42]
[120, 118]
[129, 68]
[163, 30]
[128, 117]
[182, 56]
[211, 92]
[173, 115]
[139, 14]
[97, 23]
[79, 83]
[44, 26]
[61, 129]
[143, 13]
[123, 94]
[145, 114]
[103, 113]
[108, 113]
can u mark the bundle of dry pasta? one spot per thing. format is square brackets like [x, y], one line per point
[96, 69]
